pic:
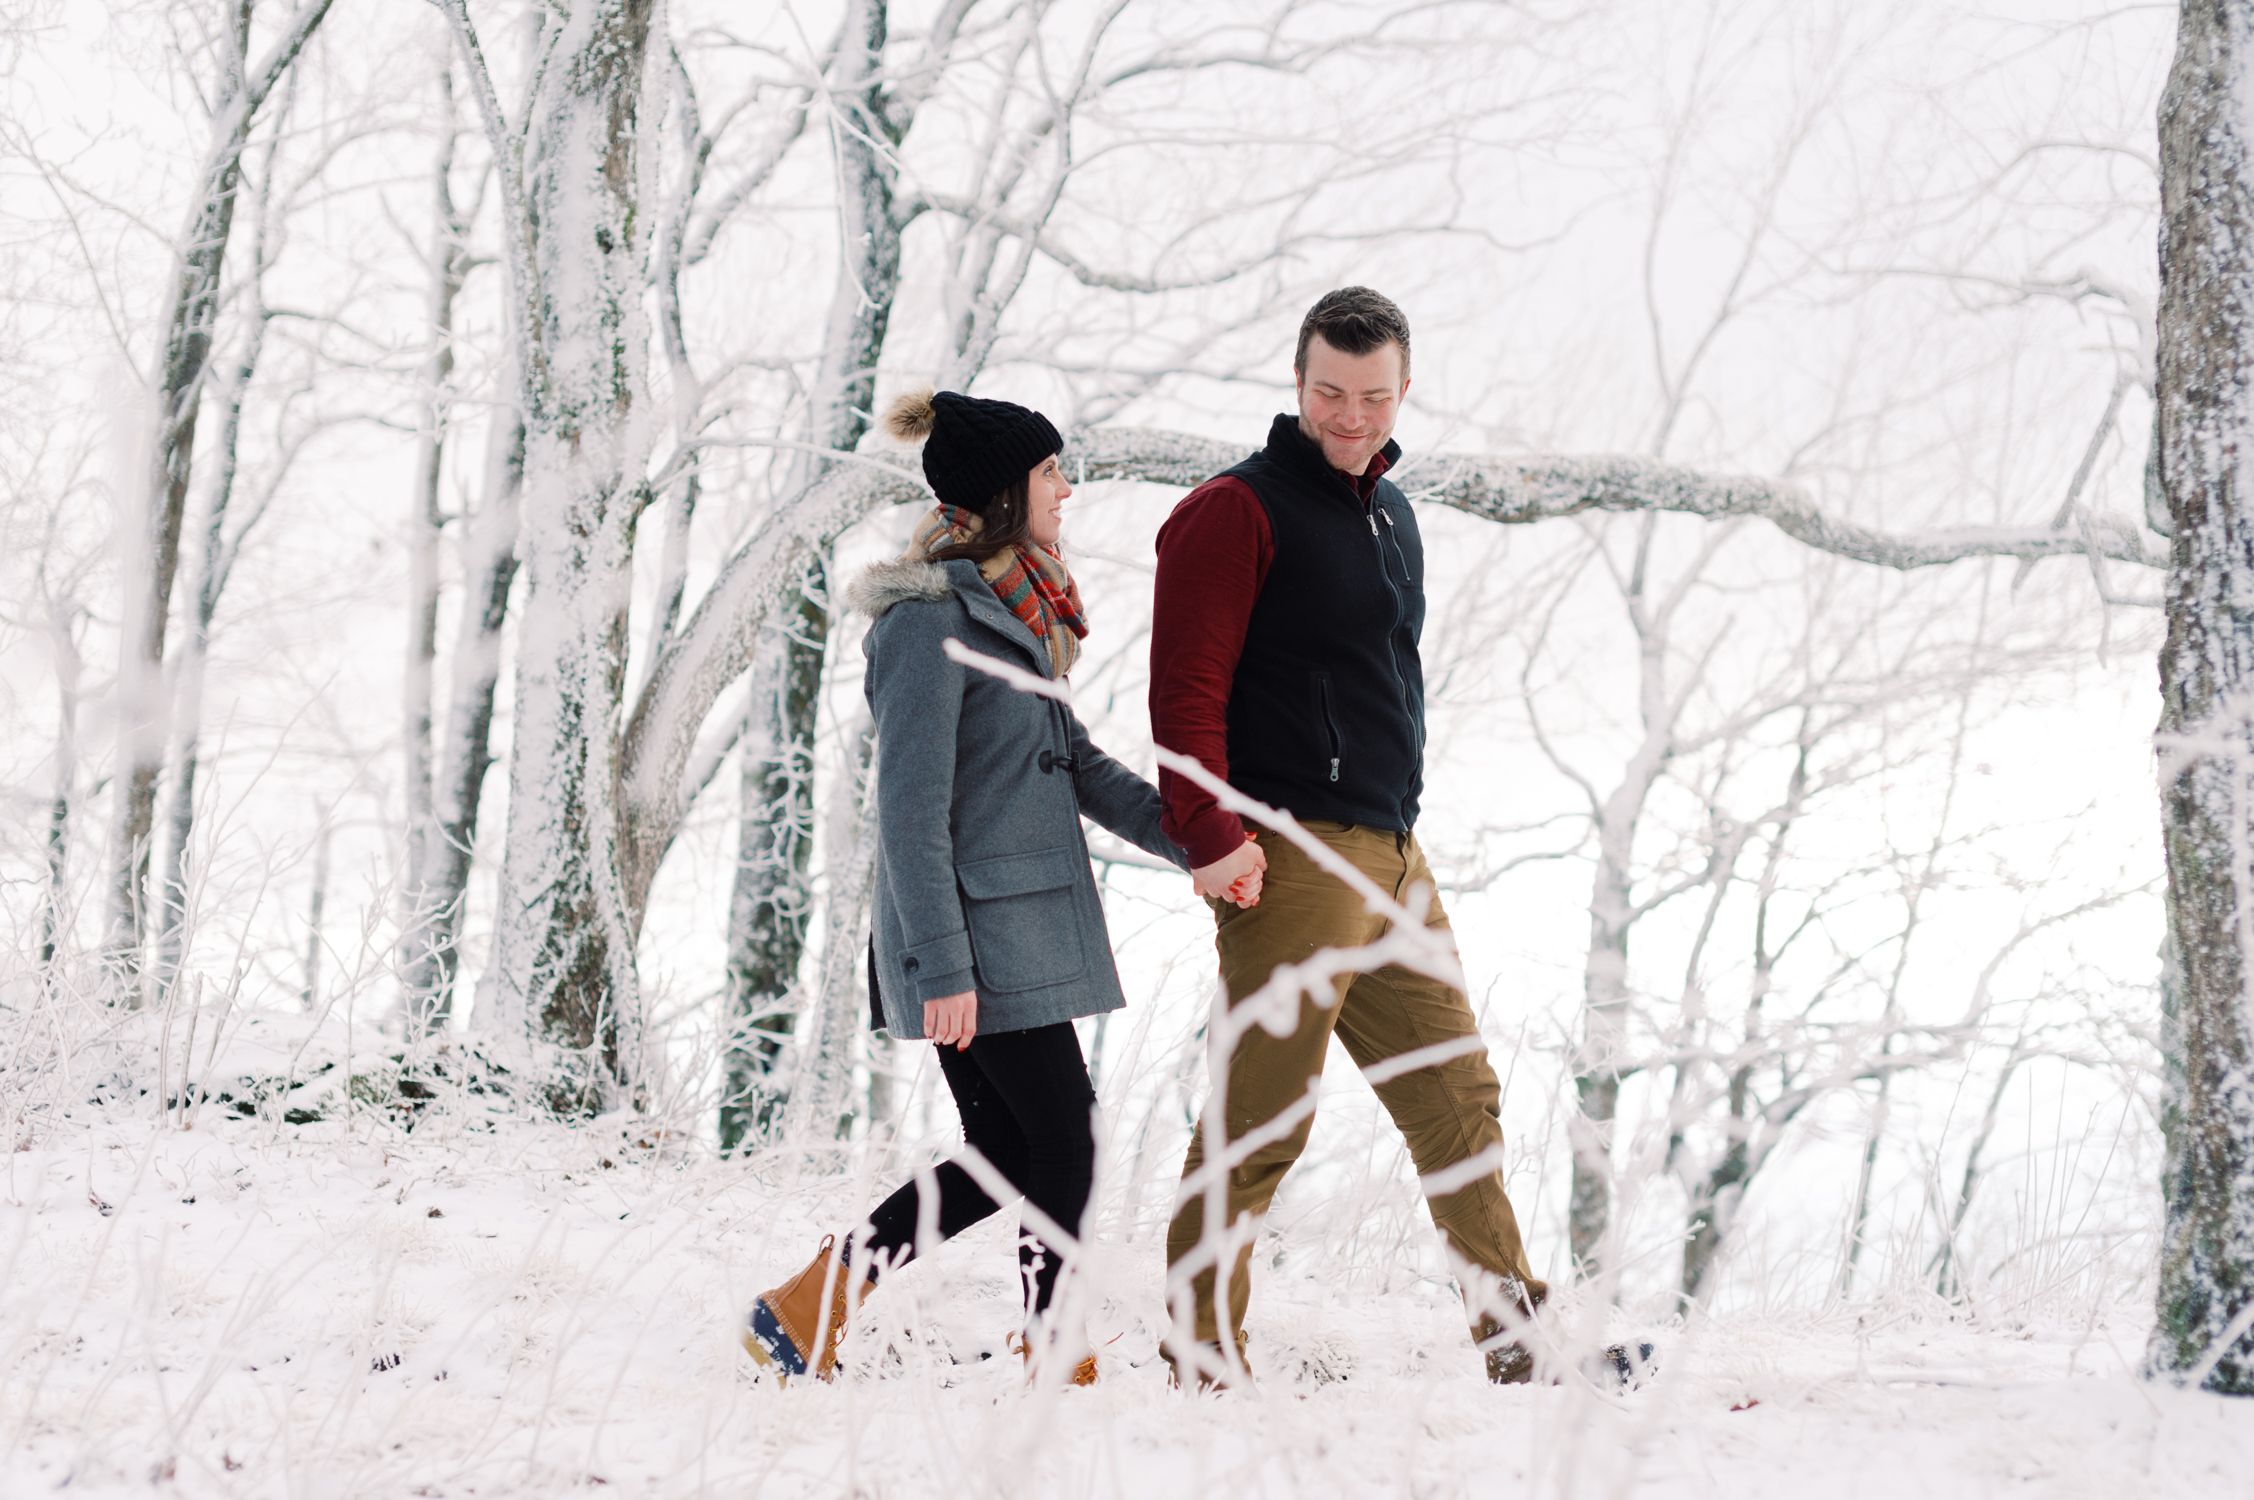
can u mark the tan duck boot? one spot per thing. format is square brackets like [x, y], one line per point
[791, 1331]
[1083, 1373]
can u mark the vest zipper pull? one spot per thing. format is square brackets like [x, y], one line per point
[1373, 525]
[1334, 768]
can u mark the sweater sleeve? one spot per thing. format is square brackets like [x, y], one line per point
[1213, 557]
[1117, 798]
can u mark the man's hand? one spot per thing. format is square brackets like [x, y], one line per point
[1235, 877]
[954, 1019]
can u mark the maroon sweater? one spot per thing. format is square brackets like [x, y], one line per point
[1213, 557]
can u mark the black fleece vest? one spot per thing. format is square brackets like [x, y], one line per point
[1326, 715]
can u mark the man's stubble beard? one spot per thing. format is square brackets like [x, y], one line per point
[1316, 436]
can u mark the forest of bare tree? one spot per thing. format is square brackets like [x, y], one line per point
[435, 441]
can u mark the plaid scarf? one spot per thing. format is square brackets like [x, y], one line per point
[1031, 579]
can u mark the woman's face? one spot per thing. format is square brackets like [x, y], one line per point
[1045, 494]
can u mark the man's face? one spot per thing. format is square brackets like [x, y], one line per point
[1348, 403]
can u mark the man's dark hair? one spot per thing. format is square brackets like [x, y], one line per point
[1353, 320]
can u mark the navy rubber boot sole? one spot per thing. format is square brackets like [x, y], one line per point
[765, 1341]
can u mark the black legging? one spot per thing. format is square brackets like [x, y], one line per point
[1025, 1100]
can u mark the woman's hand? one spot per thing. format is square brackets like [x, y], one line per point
[954, 1019]
[1234, 878]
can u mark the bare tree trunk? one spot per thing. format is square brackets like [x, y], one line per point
[449, 263]
[180, 818]
[2206, 369]
[1858, 1217]
[313, 908]
[191, 320]
[1601, 1062]
[1714, 1200]
[213, 565]
[817, 1110]
[563, 948]
[563, 966]
[771, 905]
[1713, 1207]
[54, 914]
[768, 918]
[1598, 1074]
[431, 951]
[883, 1103]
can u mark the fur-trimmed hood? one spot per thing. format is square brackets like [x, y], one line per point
[895, 581]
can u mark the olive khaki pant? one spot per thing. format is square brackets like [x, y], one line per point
[1449, 1111]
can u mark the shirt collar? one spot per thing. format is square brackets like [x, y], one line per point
[1365, 483]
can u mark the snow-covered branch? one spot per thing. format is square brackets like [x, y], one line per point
[1518, 491]
[715, 646]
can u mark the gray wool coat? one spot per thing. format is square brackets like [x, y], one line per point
[982, 873]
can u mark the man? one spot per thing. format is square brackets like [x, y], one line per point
[1288, 607]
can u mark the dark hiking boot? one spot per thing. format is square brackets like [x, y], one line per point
[790, 1330]
[1622, 1367]
[1510, 1361]
[1625, 1367]
[1211, 1366]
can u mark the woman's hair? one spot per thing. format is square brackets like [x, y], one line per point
[1008, 521]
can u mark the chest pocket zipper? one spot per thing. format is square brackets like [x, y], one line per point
[1330, 725]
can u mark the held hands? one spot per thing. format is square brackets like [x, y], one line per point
[1235, 877]
[954, 1019]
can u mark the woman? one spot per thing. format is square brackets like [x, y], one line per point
[989, 935]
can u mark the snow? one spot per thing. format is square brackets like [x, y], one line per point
[488, 1305]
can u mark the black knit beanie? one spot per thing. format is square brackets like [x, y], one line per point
[973, 448]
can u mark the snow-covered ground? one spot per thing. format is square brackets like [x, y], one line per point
[485, 1305]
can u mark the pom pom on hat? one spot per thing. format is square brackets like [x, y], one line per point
[910, 415]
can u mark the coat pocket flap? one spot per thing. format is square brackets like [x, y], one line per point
[1020, 874]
